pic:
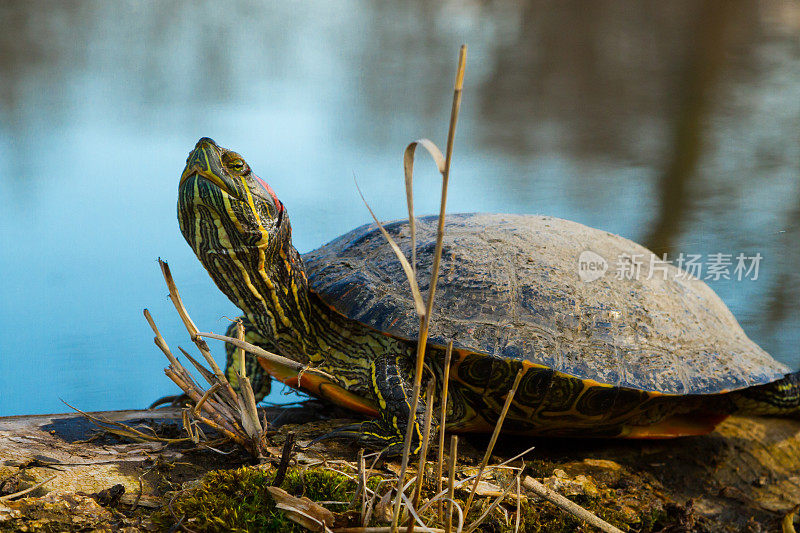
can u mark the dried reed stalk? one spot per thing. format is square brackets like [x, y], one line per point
[442, 420]
[423, 454]
[425, 319]
[233, 414]
[175, 296]
[493, 440]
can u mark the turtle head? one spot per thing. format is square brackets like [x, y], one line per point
[236, 226]
[221, 180]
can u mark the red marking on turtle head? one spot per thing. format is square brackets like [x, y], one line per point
[278, 204]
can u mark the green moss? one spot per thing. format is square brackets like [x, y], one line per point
[320, 485]
[237, 500]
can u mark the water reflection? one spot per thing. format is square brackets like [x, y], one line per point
[675, 124]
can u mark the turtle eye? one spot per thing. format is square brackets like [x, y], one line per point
[237, 165]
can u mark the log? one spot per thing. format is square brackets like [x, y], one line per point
[747, 470]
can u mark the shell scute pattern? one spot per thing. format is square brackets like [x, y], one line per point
[509, 289]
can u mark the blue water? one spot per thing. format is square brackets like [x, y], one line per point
[567, 111]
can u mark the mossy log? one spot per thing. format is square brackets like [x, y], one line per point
[745, 475]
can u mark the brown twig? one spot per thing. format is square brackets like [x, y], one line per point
[214, 388]
[255, 350]
[8, 497]
[220, 400]
[247, 400]
[286, 456]
[361, 484]
[568, 505]
[217, 421]
[181, 378]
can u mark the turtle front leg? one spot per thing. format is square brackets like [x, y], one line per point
[259, 378]
[390, 382]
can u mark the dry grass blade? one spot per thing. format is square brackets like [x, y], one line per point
[422, 338]
[451, 135]
[495, 434]
[255, 350]
[409, 271]
[383, 529]
[413, 514]
[495, 503]
[568, 505]
[423, 454]
[408, 170]
[442, 422]
[448, 524]
[519, 505]
[120, 429]
[302, 510]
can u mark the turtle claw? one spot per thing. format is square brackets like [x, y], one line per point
[352, 431]
[370, 434]
[376, 435]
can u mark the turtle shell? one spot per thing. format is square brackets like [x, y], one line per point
[510, 287]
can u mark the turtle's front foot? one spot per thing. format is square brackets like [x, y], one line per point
[394, 396]
[394, 393]
[378, 435]
[375, 434]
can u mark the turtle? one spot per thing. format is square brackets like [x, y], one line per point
[602, 355]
